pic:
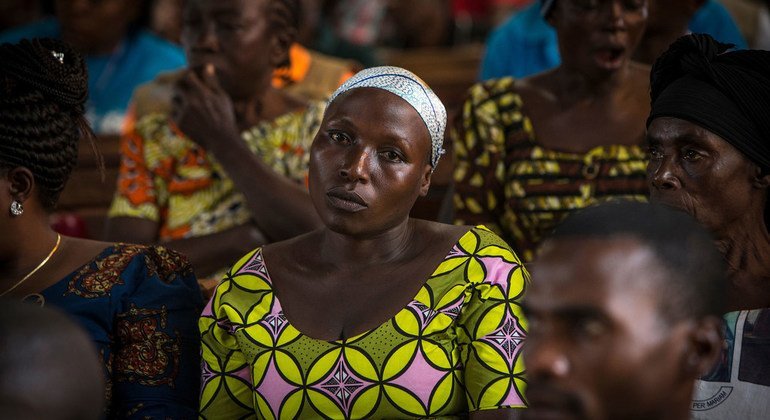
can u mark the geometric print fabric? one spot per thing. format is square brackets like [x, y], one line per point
[456, 347]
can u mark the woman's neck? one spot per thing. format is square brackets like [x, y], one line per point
[270, 104]
[573, 85]
[747, 251]
[349, 252]
[36, 241]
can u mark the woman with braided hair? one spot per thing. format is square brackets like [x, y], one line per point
[708, 135]
[138, 303]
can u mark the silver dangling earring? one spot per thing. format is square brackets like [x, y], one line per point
[16, 208]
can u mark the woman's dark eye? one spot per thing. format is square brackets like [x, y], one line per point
[392, 156]
[338, 137]
[654, 153]
[229, 26]
[690, 155]
[633, 4]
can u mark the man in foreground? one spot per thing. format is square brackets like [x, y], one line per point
[624, 314]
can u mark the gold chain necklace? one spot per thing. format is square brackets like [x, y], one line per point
[39, 266]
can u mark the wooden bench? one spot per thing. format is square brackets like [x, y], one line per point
[86, 194]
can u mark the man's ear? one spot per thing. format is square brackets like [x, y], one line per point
[22, 182]
[425, 182]
[706, 342]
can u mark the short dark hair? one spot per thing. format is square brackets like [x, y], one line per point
[43, 90]
[697, 282]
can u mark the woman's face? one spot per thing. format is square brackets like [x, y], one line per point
[697, 171]
[237, 38]
[96, 26]
[369, 162]
[598, 36]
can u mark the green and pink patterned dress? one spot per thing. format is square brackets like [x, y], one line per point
[455, 348]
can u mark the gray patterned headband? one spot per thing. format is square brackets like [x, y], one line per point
[410, 88]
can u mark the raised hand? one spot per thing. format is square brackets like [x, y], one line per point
[202, 109]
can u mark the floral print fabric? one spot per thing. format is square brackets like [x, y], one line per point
[165, 177]
[139, 304]
[454, 348]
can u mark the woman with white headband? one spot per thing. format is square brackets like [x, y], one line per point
[375, 315]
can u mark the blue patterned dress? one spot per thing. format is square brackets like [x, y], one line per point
[140, 306]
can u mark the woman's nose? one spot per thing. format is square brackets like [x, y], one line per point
[615, 19]
[663, 176]
[356, 166]
[206, 37]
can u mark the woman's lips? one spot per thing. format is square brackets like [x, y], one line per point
[610, 58]
[349, 201]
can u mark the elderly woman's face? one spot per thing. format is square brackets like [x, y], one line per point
[369, 162]
[598, 35]
[236, 37]
[697, 171]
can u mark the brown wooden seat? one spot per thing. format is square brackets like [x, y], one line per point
[87, 195]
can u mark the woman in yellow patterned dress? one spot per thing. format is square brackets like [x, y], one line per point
[225, 170]
[529, 151]
[375, 315]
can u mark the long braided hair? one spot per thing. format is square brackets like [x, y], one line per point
[43, 90]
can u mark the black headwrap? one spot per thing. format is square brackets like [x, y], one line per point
[727, 93]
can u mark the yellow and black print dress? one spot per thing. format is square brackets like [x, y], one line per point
[519, 189]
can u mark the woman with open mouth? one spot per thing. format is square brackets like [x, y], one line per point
[529, 151]
[376, 314]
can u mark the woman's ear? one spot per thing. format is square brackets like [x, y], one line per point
[22, 183]
[762, 178]
[706, 343]
[425, 180]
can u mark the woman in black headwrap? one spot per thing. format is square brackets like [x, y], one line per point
[708, 135]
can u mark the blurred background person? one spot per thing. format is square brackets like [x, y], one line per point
[309, 74]
[529, 151]
[15, 13]
[139, 304]
[120, 52]
[224, 169]
[49, 368]
[527, 43]
[624, 315]
[709, 156]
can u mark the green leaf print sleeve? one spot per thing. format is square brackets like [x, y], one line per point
[491, 327]
[226, 390]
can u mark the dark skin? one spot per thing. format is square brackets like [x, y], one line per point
[699, 172]
[34, 239]
[59, 355]
[596, 85]
[599, 346]
[83, 23]
[369, 163]
[233, 49]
